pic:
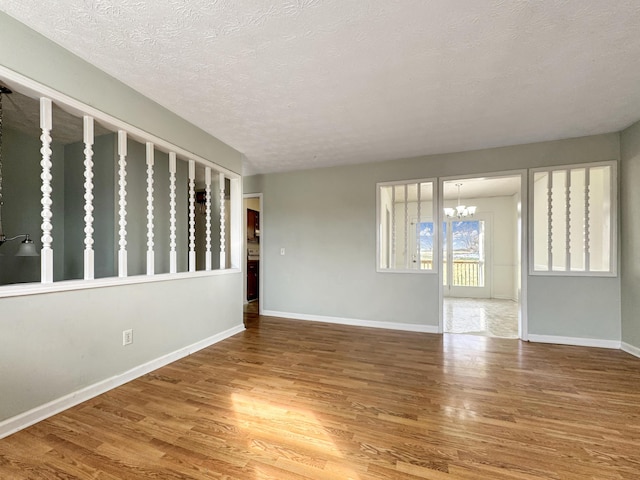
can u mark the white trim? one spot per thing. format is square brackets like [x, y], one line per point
[246, 246]
[523, 294]
[577, 341]
[69, 285]
[523, 322]
[505, 297]
[236, 205]
[434, 193]
[403, 270]
[626, 347]
[37, 414]
[407, 327]
[613, 234]
[33, 89]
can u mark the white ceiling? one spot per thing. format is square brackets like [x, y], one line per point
[481, 187]
[306, 83]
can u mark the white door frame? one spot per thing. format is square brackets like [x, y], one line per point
[523, 224]
[244, 257]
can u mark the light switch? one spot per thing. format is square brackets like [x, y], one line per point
[282, 251]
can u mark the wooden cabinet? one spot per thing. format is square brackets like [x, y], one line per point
[253, 270]
[253, 225]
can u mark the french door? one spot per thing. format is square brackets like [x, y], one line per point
[466, 271]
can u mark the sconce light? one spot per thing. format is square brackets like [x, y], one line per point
[27, 247]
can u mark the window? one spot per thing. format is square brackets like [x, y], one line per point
[98, 199]
[405, 226]
[574, 220]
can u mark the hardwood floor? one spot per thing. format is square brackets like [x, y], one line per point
[302, 400]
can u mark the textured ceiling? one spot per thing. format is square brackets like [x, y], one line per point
[23, 114]
[304, 83]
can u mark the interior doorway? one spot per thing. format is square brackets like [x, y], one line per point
[253, 228]
[481, 256]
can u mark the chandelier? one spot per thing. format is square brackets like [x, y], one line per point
[460, 211]
[27, 248]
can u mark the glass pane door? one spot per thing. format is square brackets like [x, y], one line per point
[468, 253]
[464, 259]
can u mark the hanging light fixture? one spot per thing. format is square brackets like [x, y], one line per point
[461, 210]
[27, 248]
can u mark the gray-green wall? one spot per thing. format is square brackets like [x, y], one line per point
[630, 234]
[57, 343]
[326, 221]
[21, 210]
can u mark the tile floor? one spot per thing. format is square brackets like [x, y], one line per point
[479, 316]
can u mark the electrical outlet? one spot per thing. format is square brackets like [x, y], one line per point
[127, 337]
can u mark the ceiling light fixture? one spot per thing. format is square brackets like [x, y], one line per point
[27, 248]
[460, 211]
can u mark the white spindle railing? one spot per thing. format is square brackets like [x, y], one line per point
[192, 216]
[150, 242]
[223, 251]
[88, 198]
[173, 258]
[122, 203]
[393, 227]
[587, 216]
[567, 213]
[207, 181]
[46, 260]
[550, 221]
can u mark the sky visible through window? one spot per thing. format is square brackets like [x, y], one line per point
[466, 238]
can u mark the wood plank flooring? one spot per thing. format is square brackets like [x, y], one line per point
[302, 400]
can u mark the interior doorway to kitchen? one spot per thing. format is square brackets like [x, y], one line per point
[253, 222]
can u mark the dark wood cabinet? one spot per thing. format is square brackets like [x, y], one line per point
[253, 225]
[253, 270]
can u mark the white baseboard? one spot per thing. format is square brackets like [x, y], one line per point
[39, 413]
[504, 297]
[577, 341]
[626, 347]
[408, 327]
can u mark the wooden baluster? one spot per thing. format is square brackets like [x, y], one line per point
[207, 181]
[587, 214]
[393, 227]
[550, 220]
[192, 216]
[223, 253]
[46, 260]
[88, 198]
[150, 242]
[567, 193]
[122, 203]
[173, 259]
